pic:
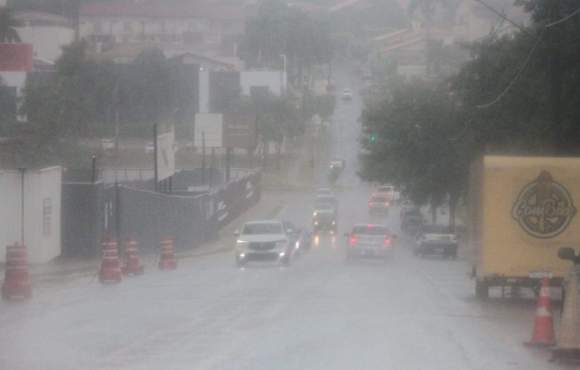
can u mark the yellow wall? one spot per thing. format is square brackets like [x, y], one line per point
[506, 248]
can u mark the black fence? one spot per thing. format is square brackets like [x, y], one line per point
[94, 211]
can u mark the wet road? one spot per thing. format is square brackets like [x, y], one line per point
[319, 313]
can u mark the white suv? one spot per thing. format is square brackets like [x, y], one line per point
[263, 241]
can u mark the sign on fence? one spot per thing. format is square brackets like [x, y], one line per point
[209, 125]
[166, 154]
[240, 130]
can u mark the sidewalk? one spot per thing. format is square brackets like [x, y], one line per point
[73, 268]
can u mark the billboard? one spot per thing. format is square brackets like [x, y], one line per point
[209, 125]
[166, 154]
[240, 130]
[15, 57]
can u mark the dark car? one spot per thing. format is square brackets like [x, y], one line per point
[412, 222]
[436, 240]
[324, 219]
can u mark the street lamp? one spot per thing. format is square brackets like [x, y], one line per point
[282, 74]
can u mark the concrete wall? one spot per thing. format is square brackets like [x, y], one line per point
[42, 210]
[275, 81]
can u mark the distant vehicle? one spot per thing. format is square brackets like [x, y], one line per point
[324, 191]
[263, 241]
[374, 241]
[324, 218]
[379, 204]
[436, 240]
[407, 206]
[412, 221]
[324, 200]
[346, 94]
[108, 145]
[339, 164]
[385, 191]
[149, 147]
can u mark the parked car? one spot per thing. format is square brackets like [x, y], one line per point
[412, 221]
[263, 241]
[370, 240]
[436, 240]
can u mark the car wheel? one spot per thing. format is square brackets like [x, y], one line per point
[240, 262]
[285, 261]
[481, 290]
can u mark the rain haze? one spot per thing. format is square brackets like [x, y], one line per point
[273, 184]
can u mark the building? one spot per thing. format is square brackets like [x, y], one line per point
[209, 27]
[408, 48]
[47, 33]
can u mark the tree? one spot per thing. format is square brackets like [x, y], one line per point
[418, 144]
[8, 25]
[277, 30]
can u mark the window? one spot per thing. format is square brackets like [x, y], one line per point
[46, 216]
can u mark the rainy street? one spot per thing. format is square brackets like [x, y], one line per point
[321, 312]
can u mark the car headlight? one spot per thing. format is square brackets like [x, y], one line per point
[314, 214]
[241, 243]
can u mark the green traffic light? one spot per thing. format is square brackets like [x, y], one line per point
[373, 138]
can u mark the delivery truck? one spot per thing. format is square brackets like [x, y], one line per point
[521, 210]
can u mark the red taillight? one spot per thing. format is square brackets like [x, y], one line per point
[352, 240]
[387, 242]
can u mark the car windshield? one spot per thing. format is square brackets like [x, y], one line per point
[370, 230]
[379, 200]
[385, 189]
[436, 229]
[262, 228]
[324, 206]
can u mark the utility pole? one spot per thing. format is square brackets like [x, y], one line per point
[76, 19]
[556, 75]
[22, 171]
[155, 168]
[203, 157]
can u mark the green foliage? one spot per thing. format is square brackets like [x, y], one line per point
[415, 140]
[87, 99]
[324, 105]
[8, 25]
[518, 94]
[282, 30]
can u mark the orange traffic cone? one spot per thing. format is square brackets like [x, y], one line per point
[543, 334]
[133, 264]
[167, 260]
[110, 271]
[17, 279]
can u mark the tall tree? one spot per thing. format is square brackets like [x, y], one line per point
[8, 25]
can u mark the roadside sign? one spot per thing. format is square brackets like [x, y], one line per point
[165, 155]
[240, 130]
[209, 125]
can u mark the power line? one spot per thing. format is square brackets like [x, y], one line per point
[516, 77]
[503, 16]
[562, 20]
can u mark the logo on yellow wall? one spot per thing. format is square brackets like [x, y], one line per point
[544, 208]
